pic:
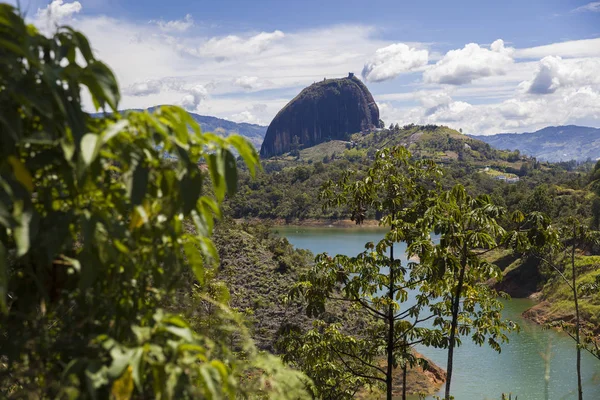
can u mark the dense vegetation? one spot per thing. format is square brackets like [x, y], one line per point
[114, 285]
[97, 231]
[288, 187]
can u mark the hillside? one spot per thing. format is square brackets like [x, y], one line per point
[553, 143]
[439, 143]
[259, 268]
[326, 110]
[288, 187]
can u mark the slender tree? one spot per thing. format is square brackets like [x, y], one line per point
[467, 228]
[377, 282]
[448, 282]
[556, 248]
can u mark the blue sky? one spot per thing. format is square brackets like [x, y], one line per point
[456, 22]
[484, 66]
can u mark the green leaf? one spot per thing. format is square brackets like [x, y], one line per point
[207, 202]
[102, 85]
[139, 184]
[183, 333]
[142, 333]
[231, 176]
[95, 377]
[247, 151]
[191, 188]
[21, 173]
[136, 367]
[217, 173]
[89, 148]
[68, 148]
[208, 376]
[195, 261]
[120, 361]
[83, 45]
[208, 249]
[175, 320]
[114, 129]
[26, 229]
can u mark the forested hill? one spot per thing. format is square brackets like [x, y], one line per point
[289, 185]
[553, 143]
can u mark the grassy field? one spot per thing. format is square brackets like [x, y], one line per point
[492, 172]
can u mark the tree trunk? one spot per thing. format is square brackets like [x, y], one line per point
[577, 324]
[390, 339]
[404, 368]
[455, 307]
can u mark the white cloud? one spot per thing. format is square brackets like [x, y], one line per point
[57, 13]
[594, 6]
[393, 60]
[571, 48]
[248, 117]
[554, 73]
[459, 67]
[154, 68]
[193, 97]
[253, 115]
[247, 82]
[178, 25]
[233, 45]
[143, 88]
[433, 99]
[225, 76]
[519, 114]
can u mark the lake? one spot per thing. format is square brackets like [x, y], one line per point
[480, 372]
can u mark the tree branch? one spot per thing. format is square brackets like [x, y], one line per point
[551, 264]
[352, 371]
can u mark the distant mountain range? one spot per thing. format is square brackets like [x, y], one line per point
[553, 143]
[254, 133]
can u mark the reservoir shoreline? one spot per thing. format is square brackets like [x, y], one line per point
[484, 373]
[314, 223]
[540, 313]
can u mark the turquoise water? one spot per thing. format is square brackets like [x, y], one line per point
[480, 372]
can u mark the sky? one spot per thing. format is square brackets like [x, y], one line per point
[481, 66]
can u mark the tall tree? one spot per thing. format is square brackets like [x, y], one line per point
[467, 228]
[557, 248]
[377, 282]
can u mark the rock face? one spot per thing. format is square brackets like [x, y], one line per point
[330, 109]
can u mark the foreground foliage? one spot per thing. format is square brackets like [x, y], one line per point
[92, 237]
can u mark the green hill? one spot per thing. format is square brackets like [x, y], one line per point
[288, 188]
